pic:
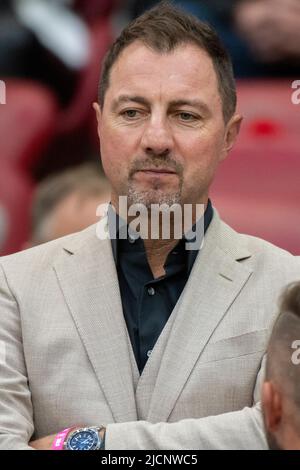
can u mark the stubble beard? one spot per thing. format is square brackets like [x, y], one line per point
[157, 193]
[152, 196]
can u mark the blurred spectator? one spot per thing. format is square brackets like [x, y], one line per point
[15, 40]
[58, 29]
[263, 36]
[271, 28]
[67, 203]
[281, 389]
[44, 41]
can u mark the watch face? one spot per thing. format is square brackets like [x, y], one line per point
[83, 440]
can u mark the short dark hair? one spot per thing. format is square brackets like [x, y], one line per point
[280, 366]
[165, 27]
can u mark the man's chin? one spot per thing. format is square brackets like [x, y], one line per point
[148, 198]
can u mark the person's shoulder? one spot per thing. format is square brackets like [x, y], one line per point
[263, 247]
[261, 253]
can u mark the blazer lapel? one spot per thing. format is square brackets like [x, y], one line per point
[215, 281]
[88, 278]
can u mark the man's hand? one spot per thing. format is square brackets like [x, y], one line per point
[44, 443]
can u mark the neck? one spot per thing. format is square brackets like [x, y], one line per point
[151, 226]
[157, 252]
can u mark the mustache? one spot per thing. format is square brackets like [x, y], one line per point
[156, 162]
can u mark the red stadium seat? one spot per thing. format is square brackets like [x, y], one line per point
[92, 10]
[26, 127]
[257, 189]
[26, 122]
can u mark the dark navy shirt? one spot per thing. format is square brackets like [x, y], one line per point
[148, 302]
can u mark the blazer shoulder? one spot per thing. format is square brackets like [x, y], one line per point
[261, 253]
[265, 248]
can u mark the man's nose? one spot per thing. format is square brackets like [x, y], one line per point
[157, 138]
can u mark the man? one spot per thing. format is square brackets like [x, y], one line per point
[139, 341]
[67, 202]
[280, 392]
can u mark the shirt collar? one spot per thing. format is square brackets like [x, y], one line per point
[117, 225]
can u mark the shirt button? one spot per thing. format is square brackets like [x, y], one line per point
[151, 290]
[149, 352]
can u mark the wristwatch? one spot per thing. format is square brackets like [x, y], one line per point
[85, 439]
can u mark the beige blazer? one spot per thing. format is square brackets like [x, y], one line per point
[66, 358]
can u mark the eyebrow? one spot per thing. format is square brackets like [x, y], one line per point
[126, 98]
[173, 104]
[193, 103]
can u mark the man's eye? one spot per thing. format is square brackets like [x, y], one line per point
[186, 116]
[130, 113]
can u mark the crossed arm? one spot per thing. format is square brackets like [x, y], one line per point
[236, 430]
[44, 443]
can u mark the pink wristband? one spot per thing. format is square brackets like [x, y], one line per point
[58, 443]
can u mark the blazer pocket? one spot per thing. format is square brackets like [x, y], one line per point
[236, 346]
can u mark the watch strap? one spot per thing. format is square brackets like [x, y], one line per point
[102, 446]
[59, 440]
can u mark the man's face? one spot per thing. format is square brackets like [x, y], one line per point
[161, 129]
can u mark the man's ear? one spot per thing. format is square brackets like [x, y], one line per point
[272, 406]
[98, 113]
[231, 132]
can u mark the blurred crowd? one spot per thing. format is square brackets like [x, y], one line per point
[50, 56]
[263, 36]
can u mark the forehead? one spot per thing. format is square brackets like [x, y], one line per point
[187, 71]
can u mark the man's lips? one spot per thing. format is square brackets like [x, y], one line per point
[157, 171]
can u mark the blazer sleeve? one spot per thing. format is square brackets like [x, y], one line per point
[238, 430]
[16, 416]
